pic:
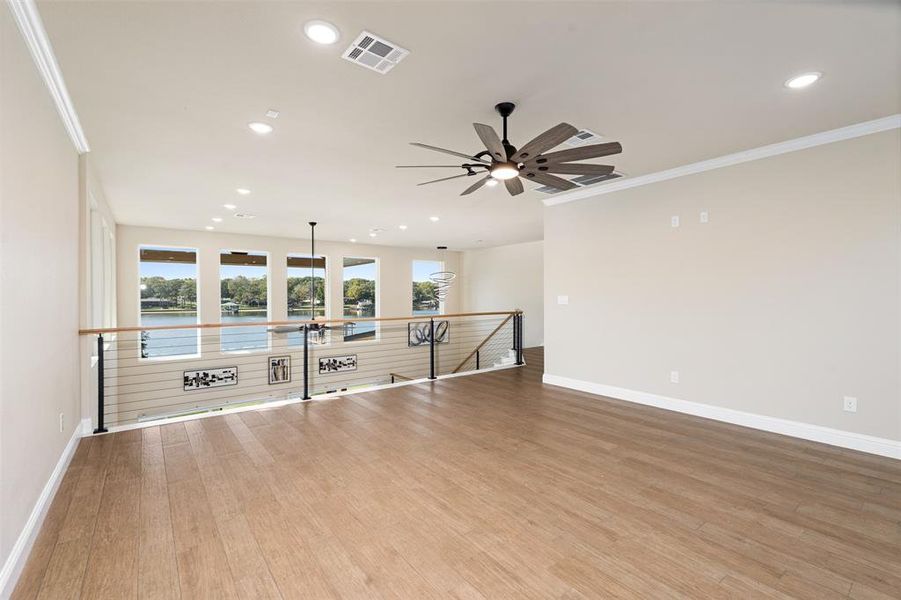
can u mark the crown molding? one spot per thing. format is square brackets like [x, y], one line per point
[30, 25]
[801, 143]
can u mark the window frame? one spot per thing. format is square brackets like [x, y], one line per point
[378, 298]
[268, 347]
[197, 285]
[327, 312]
[441, 305]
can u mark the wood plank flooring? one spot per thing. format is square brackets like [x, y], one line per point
[489, 486]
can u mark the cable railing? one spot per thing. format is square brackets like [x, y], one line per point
[146, 374]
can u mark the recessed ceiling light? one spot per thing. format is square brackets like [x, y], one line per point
[243, 191]
[434, 219]
[229, 206]
[216, 219]
[491, 182]
[372, 234]
[209, 228]
[244, 216]
[321, 32]
[803, 80]
[260, 128]
[402, 227]
[353, 240]
[272, 113]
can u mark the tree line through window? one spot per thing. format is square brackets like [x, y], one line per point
[169, 296]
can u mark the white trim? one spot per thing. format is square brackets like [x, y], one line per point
[801, 143]
[29, 21]
[18, 556]
[804, 431]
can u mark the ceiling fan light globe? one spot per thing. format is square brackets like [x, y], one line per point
[504, 171]
[491, 182]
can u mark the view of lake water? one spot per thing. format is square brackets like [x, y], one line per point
[173, 342]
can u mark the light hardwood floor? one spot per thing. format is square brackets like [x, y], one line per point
[489, 486]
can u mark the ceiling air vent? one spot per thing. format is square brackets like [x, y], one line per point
[582, 181]
[585, 180]
[375, 53]
[583, 138]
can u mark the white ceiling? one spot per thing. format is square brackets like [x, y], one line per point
[165, 90]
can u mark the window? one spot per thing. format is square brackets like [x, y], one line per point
[424, 300]
[360, 297]
[244, 298]
[306, 291]
[168, 292]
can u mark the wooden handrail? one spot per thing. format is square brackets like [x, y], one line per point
[105, 330]
[485, 341]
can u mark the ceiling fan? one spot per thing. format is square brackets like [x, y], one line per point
[501, 161]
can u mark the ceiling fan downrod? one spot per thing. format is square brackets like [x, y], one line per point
[505, 109]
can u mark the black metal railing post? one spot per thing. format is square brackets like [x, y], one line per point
[306, 362]
[515, 331]
[477, 360]
[518, 318]
[432, 349]
[100, 427]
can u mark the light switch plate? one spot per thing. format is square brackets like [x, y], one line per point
[674, 220]
[562, 299]
[704, 218]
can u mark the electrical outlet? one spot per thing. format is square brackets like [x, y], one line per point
[62, 422]
[849, 404]
[704, 218]
[674, 220]
[674, 376]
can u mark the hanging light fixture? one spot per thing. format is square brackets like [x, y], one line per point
[317, 330]
[442, 279]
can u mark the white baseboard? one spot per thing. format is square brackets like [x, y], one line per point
[18, 556]
[804, 431]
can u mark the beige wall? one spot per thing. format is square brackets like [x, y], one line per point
[38, 286]
[395, 285]
[504, 278]
[786, 301]
[97, 276]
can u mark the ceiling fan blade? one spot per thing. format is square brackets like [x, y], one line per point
[451, 152]
[476, 185]
[580, 153]
[444, 179]
[573, 169]
[547, 179]
[554, 136]
[428, 167]
[493, 143]
[514, 186]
